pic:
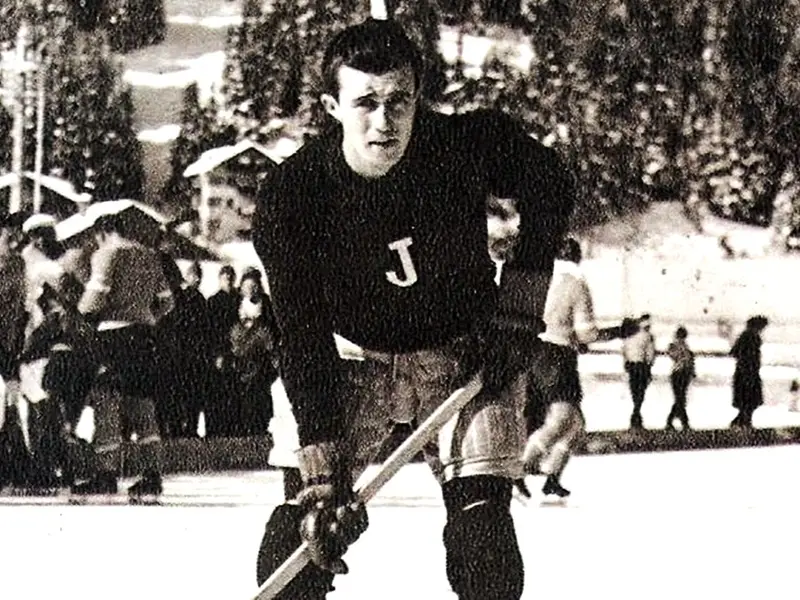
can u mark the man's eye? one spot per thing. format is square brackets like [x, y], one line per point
[367, 104]
[399, 102]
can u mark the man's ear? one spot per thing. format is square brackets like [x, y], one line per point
[331, 105]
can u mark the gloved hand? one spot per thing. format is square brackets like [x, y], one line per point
[335, 518]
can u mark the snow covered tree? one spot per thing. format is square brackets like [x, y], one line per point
[201, 130]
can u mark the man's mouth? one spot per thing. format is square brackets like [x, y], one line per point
[384, 143]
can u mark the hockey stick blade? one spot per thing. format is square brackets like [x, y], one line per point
[412, 446]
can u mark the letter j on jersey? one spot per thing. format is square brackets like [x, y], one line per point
[409, 276]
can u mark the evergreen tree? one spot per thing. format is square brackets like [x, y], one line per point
[275, 53]
[201, 130]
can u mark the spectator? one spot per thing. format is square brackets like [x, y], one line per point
[194, 276]
[680, 377]
[223, 310]
[63, 343]
[41, 255]
[12, 331]
[185, 357]
[254, 348]
[639, 353]
[12, 302]
[748, 394]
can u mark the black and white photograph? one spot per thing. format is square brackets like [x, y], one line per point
[390, 299]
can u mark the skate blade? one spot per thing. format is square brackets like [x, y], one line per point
[553, 501]
[144, 501]
[96, 500]
[34, 492]
[521, 498]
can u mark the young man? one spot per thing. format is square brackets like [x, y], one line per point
[377, 231]
[680, 377]
[125, 297]
[554, 385]
[639, 354]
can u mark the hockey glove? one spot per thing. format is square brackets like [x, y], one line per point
[335, 518]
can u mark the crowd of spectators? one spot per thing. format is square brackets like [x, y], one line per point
[215, 359]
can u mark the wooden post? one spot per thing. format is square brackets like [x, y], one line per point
[18, 127]
[41, 76]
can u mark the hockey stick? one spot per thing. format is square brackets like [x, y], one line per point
[413, 445]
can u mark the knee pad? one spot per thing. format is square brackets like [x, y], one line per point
[281, 539]
[483, 557]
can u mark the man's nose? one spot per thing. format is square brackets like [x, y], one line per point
[380, 118]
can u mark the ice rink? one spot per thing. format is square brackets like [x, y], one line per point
[705, 524]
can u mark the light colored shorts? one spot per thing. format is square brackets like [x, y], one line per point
[485, 438]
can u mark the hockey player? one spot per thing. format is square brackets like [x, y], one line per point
[376, 231]
[554, 385]
[125, 297]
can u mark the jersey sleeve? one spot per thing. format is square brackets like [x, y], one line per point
[288, 235]
[520, 167]
[517, 166]
[99, 285]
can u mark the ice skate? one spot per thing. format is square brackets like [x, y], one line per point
[146, 490]
[554, 492]
[102, 488]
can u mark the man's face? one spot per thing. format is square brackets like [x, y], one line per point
[377, 115]
[39, 237]
[193, 278]
[225, 281]
[249, 288]
[503, 222]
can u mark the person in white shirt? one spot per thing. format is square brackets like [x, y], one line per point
[639, 353]
[554, 386]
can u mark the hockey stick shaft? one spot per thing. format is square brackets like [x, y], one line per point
[412, 446]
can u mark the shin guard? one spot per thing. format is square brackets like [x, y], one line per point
[483, 557]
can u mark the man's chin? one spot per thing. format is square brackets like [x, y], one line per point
[384, 157]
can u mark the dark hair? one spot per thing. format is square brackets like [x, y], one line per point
[228, 270]
[373, 46]
[757, 322]
[681, 332]
[645, 317]
[570, 250]
[252, 273]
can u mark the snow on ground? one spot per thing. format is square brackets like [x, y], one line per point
[712, 524]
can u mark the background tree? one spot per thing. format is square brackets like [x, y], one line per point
[88, 120]
[272, 59]
[201, 130]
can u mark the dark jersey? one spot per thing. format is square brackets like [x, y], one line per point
[397, 263]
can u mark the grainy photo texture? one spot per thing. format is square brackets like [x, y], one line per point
[437, 299]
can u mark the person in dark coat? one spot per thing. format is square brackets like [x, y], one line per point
[748, 393]
[223, 311]
[185, 361]
[254, 351]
